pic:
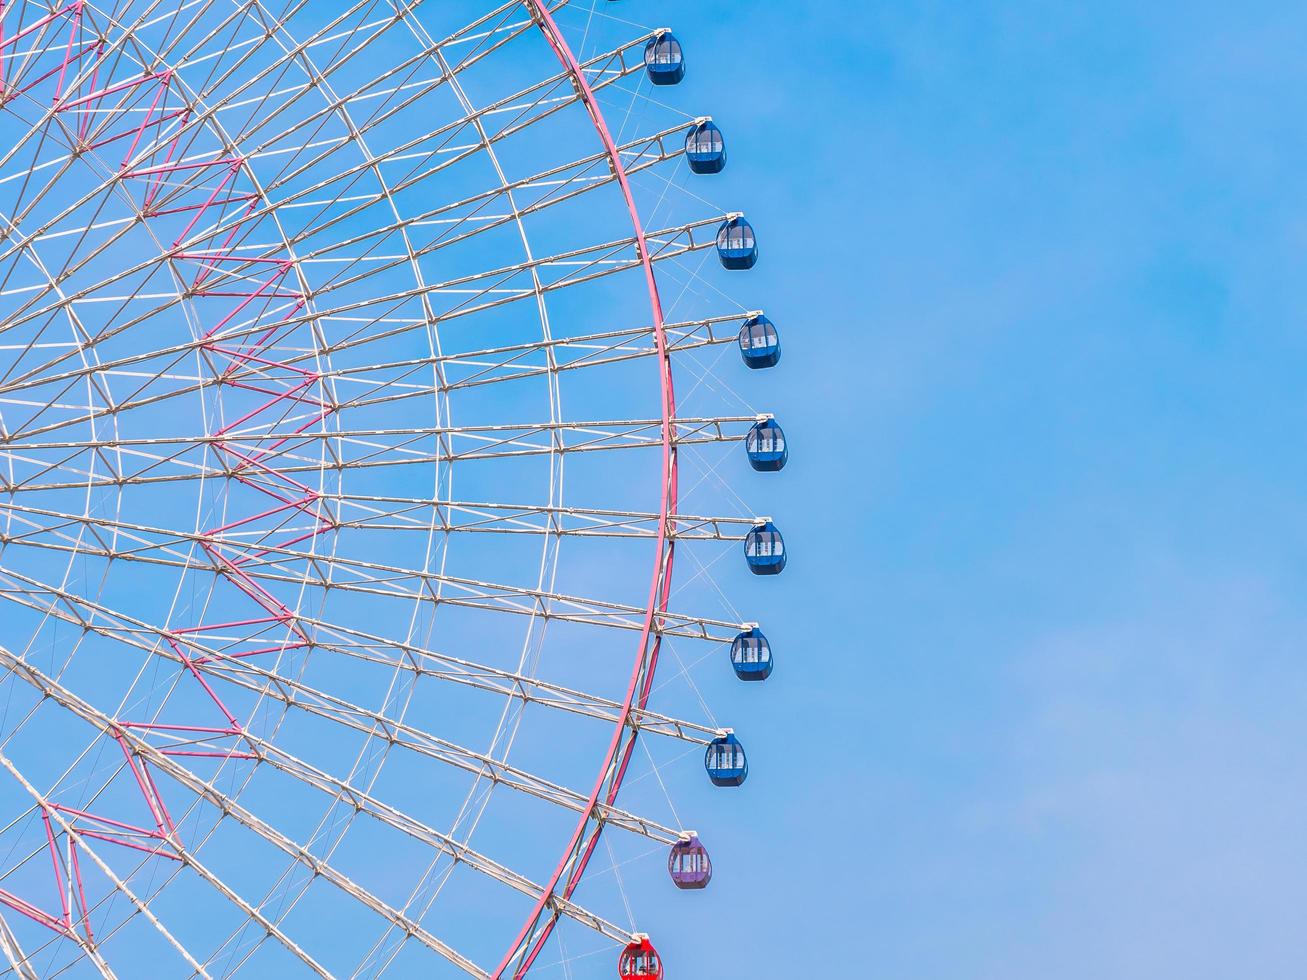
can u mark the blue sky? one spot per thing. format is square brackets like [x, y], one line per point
[1038, 272]
[1037, 709]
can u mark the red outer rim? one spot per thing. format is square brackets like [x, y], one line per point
[571, 866]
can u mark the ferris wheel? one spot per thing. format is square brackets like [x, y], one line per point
[364, 376]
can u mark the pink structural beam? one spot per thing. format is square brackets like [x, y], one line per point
[535, 931]
[233, 294]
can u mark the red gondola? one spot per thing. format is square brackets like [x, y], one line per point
[640, 961]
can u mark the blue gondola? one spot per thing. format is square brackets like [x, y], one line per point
[760, 344]
[725, 761]
[705, 149]
[664, 60]
[765, 446]
[764, 550]
[737, 246]
[751, 656]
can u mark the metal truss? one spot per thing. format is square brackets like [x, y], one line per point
[281, 284]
